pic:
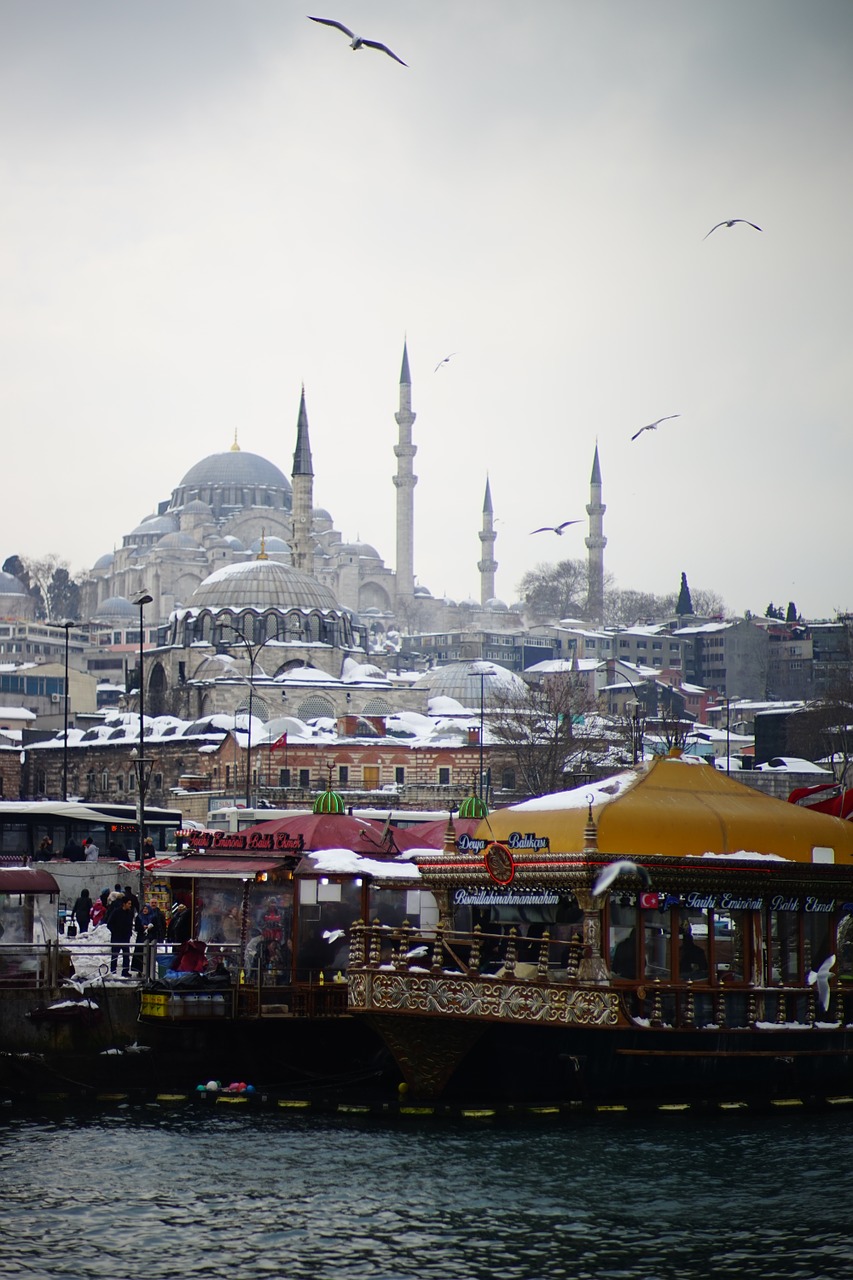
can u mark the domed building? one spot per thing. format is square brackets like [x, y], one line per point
[246, 626]
[469, 681]
[234, 505]
[15, 600]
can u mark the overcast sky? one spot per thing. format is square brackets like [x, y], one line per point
[206, 203]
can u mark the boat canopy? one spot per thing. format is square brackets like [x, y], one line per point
[675, 806]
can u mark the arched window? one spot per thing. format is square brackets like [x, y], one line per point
[314, 706]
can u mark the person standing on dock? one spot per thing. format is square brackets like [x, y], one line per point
[82, 911]
[119, 921]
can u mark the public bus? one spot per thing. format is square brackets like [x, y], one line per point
[24, 824]
[237, 818]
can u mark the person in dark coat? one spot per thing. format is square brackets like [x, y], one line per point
[73, 851]
[119, 921]
[180, 924]
[82, 910]
[150, 928]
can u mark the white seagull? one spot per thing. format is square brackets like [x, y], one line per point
[821, 980]
[359, 42]
[444, 361]
[616, 869]
[730, 222]
[558, 529]
[653, 426]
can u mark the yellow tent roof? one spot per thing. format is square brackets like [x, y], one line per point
[676, 806]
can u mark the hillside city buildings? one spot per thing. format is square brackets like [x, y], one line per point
[245, 598]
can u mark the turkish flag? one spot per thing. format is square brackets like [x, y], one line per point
[280, 744]
[650, 901]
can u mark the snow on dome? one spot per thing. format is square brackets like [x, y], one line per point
[234, 542]
[306, 675]
[261, 584]
[272, 545]
[151, 525]
[470, 681]
[11, 586]
[353, 671]
[496, 605]
[177, 541]
[444, 706]
[422, 591]
[196, 508]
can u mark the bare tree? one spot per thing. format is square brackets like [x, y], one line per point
[546, 730]
[555, 591]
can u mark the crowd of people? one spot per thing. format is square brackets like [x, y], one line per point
[128, 922]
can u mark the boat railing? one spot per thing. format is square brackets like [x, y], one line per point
[713, 1002]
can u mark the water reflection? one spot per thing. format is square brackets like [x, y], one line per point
[201, 1194]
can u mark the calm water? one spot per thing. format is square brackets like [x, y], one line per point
[155, 1194]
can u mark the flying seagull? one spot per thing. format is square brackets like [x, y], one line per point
[444, 361]
[558, 529]
[616, 869]
[821, 980]
[358, 42]
[730, 222]
[653, 426]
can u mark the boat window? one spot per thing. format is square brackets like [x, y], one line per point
[693, 945]
[816, 943]
[657, 941]
[623, 939]
[326, 912]
[784, 948]
[844, 948]
[729, 943]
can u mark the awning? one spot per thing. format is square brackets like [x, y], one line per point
[224, 868]
[26, 880]
[151, 864]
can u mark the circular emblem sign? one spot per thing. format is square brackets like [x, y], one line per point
[499, 863]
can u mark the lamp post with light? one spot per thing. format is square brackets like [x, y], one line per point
[485, 673]
[66, 626]
[638, 722]
[252, 652]
[142, 778]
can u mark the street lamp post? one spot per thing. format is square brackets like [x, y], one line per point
[252, 652]
[484, 673]
[66, 626]
[142, 780]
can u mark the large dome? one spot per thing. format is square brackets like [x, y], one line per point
[466, 682]
[11, 586]
[234, 467]
[262, 584]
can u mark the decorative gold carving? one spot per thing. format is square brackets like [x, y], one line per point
[463, 997]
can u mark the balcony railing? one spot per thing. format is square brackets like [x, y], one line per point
[482, 974]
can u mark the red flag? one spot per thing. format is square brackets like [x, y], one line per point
[280, 744]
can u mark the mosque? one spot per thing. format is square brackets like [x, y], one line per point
[239, 559]
[234, 506]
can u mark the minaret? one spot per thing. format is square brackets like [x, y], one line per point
[488, 565]
[596, 542]
[405, 480]
[302, 479]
